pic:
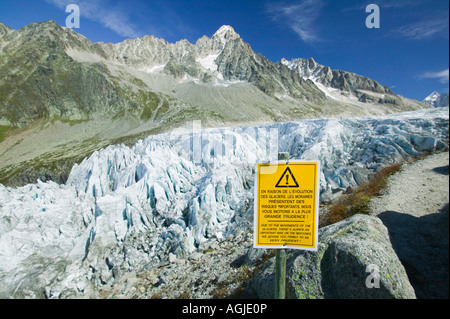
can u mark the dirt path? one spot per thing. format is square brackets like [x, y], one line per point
[415, 209]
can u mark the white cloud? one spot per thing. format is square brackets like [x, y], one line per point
[385, 4]
[300, 17]
[426, 28]
[441, 76]
[398, 4]
[115, 21]
[103, 12]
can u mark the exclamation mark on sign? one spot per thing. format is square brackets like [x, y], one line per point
[285, 181]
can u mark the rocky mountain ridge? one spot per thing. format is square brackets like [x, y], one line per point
[340, 84]
[62, 97]
[221, 60]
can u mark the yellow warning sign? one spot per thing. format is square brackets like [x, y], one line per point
[287, 205]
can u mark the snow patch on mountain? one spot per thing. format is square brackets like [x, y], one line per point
[340, 85]
[154, 69]
[125, 208]
[84, 56]
[208, 62]
[313, 73]
[436, 99]
[432, 97]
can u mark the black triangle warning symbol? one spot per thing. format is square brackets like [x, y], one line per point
[287, 179]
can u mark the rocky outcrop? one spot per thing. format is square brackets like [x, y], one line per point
[355, 260]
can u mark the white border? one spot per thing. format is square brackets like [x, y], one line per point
[316, 222]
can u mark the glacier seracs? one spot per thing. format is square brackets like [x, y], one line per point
[125, 208]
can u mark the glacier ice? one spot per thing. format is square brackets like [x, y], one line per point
[125, 208]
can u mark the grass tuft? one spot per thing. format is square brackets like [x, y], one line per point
[358, 201]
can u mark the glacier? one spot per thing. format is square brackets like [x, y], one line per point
[125, 208]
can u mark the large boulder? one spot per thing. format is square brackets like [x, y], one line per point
[355, 259]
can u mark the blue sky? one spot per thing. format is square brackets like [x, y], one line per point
[408, 53]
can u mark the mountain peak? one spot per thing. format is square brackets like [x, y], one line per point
[433, 96]
[38, 27]
[226, 32]
[48, 23]
[432, 99]
[436, 99]
[4, 29]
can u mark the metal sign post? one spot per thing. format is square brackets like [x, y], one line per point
[286, 210]
[280, 274]
[280, 257]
